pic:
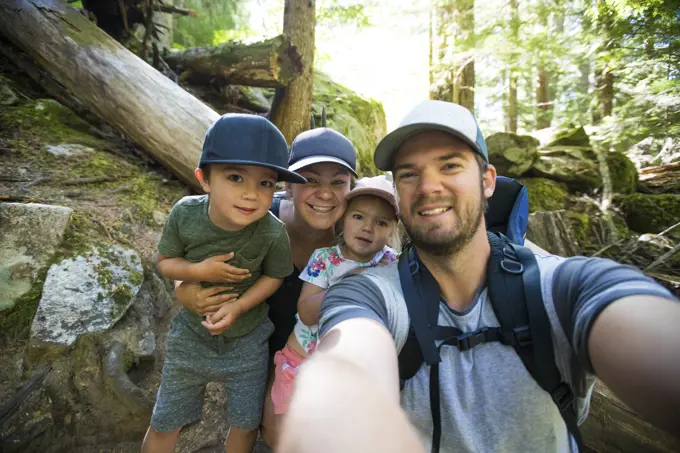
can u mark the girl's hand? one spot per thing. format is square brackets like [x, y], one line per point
[203, 300]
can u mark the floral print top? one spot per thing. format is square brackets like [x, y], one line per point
[325, 268]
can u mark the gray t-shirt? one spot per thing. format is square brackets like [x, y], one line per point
[261, 247]
[489, 401]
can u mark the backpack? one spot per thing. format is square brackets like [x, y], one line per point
[514, 288]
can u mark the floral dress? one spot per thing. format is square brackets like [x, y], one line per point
[325, 268]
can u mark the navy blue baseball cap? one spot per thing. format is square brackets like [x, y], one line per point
[431, 115]
[242, 139]
[322, 145]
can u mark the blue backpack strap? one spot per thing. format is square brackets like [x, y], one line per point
[508, 211]
[276, 203]
[513, 271]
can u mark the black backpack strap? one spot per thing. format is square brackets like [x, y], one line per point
[513, 271]
[421, 293]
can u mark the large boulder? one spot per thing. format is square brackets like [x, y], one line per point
[29, 238]
[576, 166]
[573, 136]
[85, 294]
[545, 194]
[650, 213]
[552, 231]
[360, 119]
[512, 154]
[623, 174]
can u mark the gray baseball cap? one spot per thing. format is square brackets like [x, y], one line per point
[428, 116]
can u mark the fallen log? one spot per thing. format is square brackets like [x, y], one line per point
[660, 179]
[612, 427]
[272, 63]
[111, 81]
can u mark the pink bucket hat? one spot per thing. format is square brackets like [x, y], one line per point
[378, 186]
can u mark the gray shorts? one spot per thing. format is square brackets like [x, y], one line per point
[194, 358]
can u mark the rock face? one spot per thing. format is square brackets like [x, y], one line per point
[622, 172]
[551, 231]
[650, 213]
[512, 154]
[86, 294]
[545, 194]
[29, 237]
[575, 166]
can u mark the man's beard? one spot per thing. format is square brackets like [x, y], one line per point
[454, 237]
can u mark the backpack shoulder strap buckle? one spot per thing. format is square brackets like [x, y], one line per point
[562, 396]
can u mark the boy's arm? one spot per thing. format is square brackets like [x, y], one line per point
[260, 291]
[213, 269]
[309, 303]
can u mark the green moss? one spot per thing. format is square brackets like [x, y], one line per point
[545, 194]
[101, 164]
[646, 213]
[121, 296]
[360, 119]
[623, 173]
[51, 122]
[571, 136]
[15, 323]
[149, 193]
[136, 277]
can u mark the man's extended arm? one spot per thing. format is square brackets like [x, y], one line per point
[634, 347]
[347, 396]
[624, 328]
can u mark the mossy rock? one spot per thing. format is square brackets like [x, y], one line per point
[577, 167]
[646, 213]
[361, 120]
[623, 174]
[512, 154]
[545, 194]
[575, 136]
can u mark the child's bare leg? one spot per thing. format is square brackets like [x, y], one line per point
[160, 442]
[270, 422]
[240, 440]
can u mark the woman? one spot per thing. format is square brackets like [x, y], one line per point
[328, 161]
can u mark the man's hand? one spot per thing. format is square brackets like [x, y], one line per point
[223, 319]
[216, 270]
[203, 300]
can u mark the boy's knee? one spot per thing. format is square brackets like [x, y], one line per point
[160, 441]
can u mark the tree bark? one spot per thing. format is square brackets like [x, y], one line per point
[272, 63]
[511, 123]
[543, 108]
[464, 80]
[292, 106]
[113, 83]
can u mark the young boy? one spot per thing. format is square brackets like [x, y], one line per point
[243, 157]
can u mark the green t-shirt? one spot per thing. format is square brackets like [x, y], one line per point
[262, 247]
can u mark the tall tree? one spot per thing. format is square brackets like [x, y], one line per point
[604, 77]
[292, 106]
[453, 62]
[543, 104]
[511, 123]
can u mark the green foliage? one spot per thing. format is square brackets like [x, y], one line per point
[214, 19]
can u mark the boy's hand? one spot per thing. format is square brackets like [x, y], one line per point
[203, 301]
[222, 319]
[215, 270]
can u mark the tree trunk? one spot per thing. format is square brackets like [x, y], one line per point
[464, 80]
[511, 123]
[272, 63]
[113, 83]
[292, 106]
[512, 102]
[543, 110]
[430, 56]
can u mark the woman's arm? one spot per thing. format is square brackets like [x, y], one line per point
[309, 303]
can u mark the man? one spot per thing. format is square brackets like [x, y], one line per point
[618, 324]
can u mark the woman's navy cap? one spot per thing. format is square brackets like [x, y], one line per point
[322, 145]
[242, 139]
